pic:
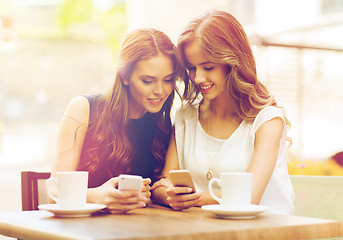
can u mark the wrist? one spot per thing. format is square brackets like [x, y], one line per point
[163, 182]
[91, 195]
[159, 195]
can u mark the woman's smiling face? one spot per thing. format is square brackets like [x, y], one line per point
[151, 82]
[208, 76]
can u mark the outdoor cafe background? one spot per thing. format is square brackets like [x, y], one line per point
[53, 50]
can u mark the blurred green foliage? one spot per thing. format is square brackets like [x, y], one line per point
[75, 11]
[112, 20]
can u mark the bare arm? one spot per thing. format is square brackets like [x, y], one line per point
[263, 161]
[165, 193]
[70, 139]
[172, 160]
[172, 163]
[264, 158]
[71, 135]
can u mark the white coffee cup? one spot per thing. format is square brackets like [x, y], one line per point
[71, 189]
[235, 187]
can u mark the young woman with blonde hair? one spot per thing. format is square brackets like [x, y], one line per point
[126, 130]
[230, 122]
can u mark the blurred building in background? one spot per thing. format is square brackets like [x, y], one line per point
[298, 48]
[53, 50]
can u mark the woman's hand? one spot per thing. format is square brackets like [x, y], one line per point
[180, 198]
[118, 201]
[146, 190]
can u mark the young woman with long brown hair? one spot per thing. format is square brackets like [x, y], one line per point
[127, 130]
[230, 122]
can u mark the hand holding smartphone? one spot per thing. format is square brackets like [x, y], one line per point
[181, 178]
[130, 182]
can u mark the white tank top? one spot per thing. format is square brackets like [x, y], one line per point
[196, 149]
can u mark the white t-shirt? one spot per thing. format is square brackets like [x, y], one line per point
[196, 149]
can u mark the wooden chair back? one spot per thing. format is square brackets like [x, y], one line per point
[33, 189]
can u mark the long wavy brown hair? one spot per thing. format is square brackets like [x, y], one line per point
[110, 143]
[223, 40]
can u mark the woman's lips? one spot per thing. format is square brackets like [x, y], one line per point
[155, 100]
[205, 88]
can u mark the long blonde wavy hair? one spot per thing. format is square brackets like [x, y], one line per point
[223, 40]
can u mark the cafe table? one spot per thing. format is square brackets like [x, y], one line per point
[157, 222]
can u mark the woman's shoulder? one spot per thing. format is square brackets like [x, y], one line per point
[78, 109]
[94, 98]
[270, 112]
[80, 103]
[266, 114]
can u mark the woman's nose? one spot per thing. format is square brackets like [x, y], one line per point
[158, 90]
[199, 77]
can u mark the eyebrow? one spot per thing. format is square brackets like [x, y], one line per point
[151, 77]
[204, 63]
[147, 76]
[170, 75]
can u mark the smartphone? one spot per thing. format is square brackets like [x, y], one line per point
[181, 178]
[130, 182]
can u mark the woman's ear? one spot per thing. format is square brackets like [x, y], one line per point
[124, 80]
[126, 83]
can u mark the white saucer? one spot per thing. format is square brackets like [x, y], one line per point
[244, 213]
[83, 212]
